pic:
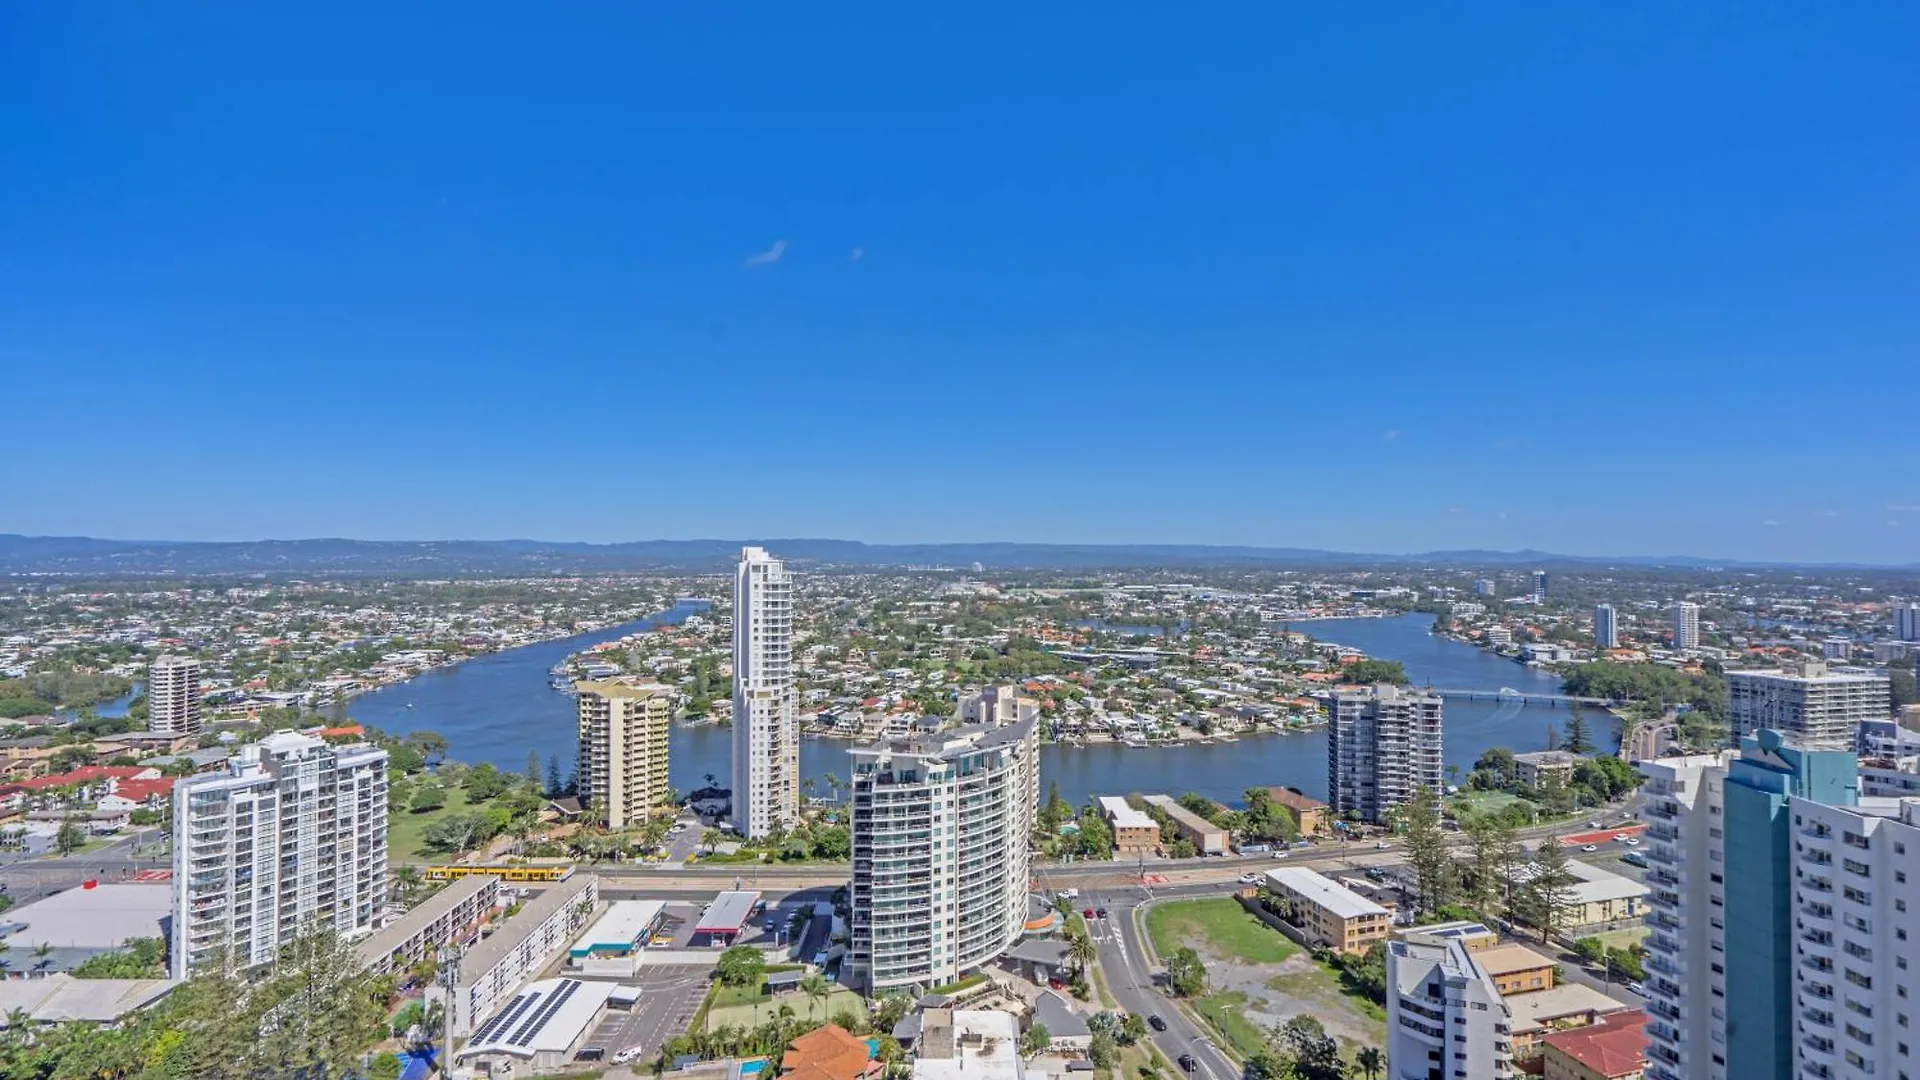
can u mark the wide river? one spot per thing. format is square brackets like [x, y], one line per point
[498, 707]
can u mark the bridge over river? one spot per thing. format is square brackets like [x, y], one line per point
[1509, 694]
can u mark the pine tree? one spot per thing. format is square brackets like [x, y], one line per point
[1577, 741]
[553, 777]
[533, 770]
[1433, 870]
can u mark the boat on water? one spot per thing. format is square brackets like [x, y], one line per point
[1138, 742]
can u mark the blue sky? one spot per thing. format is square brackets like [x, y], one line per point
[1623, 278]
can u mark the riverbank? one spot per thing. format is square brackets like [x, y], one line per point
[498, 708]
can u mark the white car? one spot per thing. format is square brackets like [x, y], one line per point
[1281, 854]
[628, 1054]
[1249, 879]
[1631, 841]
[1588, 847]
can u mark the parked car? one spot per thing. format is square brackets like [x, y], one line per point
[590, 1053]
[1100, 913]
[628, 1054]
[1589, 847]
[1087, 914]
[1621, 836]
[1249, 879]
[1632, 841]
[1636, 988]
[1281, 854]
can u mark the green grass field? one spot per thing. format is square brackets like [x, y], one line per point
[747, 1006]
[1225, 1011]
[405, 828]
[1218, 925]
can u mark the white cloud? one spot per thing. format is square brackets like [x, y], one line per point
[1390, 434]
[1903, 508]
[1829, 513]
[1770, 523]
[857, 254]
[769, 256]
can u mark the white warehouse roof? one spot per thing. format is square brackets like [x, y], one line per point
[545, 1017]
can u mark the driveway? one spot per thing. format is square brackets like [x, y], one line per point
[668, 999]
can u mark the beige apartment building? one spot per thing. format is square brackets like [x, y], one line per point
[623, 748]
[1333, 915]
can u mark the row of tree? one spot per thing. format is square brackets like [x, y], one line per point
[313, 1016]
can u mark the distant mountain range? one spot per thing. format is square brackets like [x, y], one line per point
[77, 555]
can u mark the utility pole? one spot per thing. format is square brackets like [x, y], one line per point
[448, 975]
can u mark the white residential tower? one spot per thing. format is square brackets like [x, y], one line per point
[766, 723]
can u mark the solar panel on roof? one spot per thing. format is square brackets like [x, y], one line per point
[504, 1017]
[545, 1013]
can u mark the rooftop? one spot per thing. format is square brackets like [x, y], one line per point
[827, 1053]
[1294, 800]
[623, 925]
[728, 912]
[1533, 1012]
[968, 1044]
[1328, 894]
[1059, 1017]
[1507, 959]
[545, 1017]
[381, 945]
[487, 953]
[1614, 1047]
[61, 997]
[102, 917]
[1181, 814]
[1124, 815]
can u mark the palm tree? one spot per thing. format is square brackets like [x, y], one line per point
[41, 953]
[816, 989]
[1370, 1061]
[1080, 949]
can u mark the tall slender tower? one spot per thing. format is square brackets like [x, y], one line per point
[1606, 627]
[623, 749]
[1686, 625]
[766, 723]
[173, 695]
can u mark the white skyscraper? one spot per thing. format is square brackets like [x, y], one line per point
[1485, 587]
[292, 834]
[1686, 983]
[1686, 625]
[942, 827]
[173, 695]
[1606, 627]
[1781, 941]
[1906, 621]
[1539, 589]
[1445, 1015]
[1382, 743]
[1814, 708]
[766, 722]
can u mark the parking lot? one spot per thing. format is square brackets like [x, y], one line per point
[668, 999]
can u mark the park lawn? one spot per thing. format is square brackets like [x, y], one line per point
[1225, 1012]
[1623, 939]
[1218, 925]
[406, 829]
[756, 1008]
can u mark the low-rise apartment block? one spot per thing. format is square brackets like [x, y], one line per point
[447, 917]
[1206, 837]
[519, 947]
[1135, 833]
[1332, 915]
